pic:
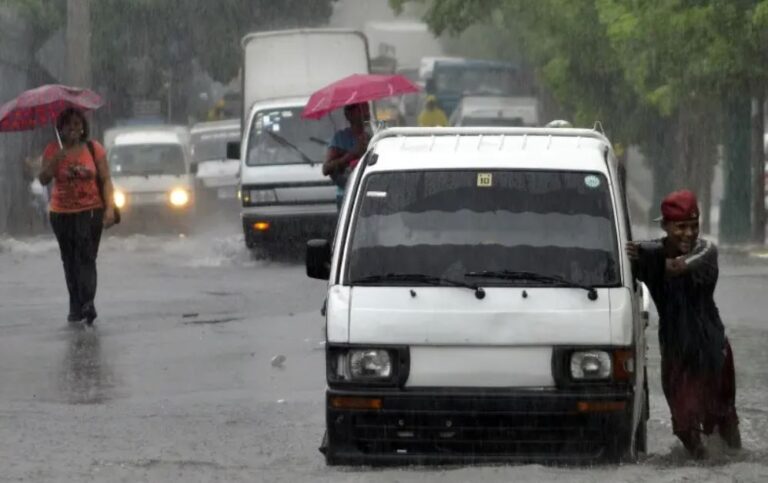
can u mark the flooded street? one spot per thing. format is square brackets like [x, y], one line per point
[176, 383]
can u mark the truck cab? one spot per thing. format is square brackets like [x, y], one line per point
[285, 197]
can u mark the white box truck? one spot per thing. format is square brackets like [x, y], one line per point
[285, 197]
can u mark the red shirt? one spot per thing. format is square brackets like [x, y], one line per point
[75, 183]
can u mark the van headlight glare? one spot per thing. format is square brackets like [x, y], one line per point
[179, 197]
[590, 365]
[119, 198]
[370, 364]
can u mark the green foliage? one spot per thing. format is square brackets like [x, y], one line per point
[162, 37]
[629, 63]
[170, 31]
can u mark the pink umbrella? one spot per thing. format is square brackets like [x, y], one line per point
[354, 89]
[40, 106]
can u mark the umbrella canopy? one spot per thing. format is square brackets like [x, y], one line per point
[40, 106]
[355, 89]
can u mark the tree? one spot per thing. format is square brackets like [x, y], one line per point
[700, 63]
[669, 75]
[160, 39]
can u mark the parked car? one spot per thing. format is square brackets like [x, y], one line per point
[480, 305]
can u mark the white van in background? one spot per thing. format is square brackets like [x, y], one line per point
[152, 177]
[217, 178]
[285, 197]
[480, 304]
[496, 111]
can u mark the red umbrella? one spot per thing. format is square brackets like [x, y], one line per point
[40, 106]
[354, 89]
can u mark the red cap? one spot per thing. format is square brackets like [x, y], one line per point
[680, 206]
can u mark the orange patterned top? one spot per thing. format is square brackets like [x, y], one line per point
[75, 183]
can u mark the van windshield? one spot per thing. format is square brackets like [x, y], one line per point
[281, 136]
[147, 160]
[449, 223]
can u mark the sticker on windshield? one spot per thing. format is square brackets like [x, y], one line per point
[592, 181]
[484, 180]
[376, 194]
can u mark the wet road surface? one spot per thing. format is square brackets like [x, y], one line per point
[175, 382]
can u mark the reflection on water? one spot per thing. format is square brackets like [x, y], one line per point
[84, 378]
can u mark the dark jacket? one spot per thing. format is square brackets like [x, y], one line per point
[690, 328]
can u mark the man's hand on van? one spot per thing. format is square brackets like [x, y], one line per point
[633, 250]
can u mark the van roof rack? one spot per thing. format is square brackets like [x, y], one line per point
[458, 132]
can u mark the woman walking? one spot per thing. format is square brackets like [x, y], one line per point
[81, 206]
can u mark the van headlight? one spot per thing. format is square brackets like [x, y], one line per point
[179, 197]
[367, 365]
[119, 198]
[370, 364]
[590, 365]
[259, 197]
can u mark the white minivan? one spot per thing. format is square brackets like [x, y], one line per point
[151, 173]
[480, 305]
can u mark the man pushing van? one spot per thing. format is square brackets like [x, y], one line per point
[697, 369]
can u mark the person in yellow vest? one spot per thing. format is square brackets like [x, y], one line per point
[432, 115]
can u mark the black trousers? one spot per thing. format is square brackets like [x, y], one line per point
[79, 235]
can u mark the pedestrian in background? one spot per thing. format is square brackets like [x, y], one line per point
[697, 368]
[347, 147]
[81, 206]
[432, 115]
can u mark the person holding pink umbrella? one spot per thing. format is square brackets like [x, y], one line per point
[347, 147]
[81, 206]
[81, 202]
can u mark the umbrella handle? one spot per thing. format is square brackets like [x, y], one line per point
[58, 136]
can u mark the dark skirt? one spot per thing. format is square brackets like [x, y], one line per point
[700, 400]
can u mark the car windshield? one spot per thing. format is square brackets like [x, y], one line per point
[464, 80]
[212, 146]
[147, 159]
[281, 136]
[449, 223]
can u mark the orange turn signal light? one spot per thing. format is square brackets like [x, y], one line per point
[623, 364]
[261, 226]
[342, 402]
[600, 406]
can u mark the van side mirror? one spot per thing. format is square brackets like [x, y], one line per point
[193, 168]
[319, 259]
[233, 150]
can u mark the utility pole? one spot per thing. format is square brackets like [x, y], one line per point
[79, 43]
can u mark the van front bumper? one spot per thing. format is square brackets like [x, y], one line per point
[429, 427]
[286, 224]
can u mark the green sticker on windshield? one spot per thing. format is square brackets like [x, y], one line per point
[592, 181]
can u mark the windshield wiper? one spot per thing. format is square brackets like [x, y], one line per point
[422, 279]
[318, 141]
[280, 139]
[537, 277]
